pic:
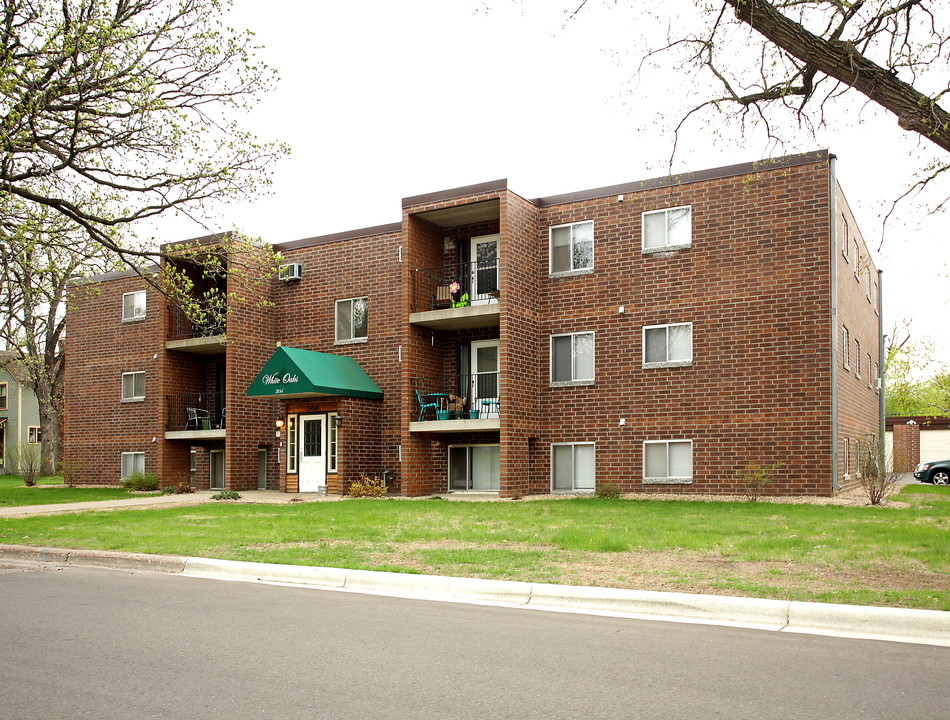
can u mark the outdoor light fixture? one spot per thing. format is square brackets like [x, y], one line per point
[279, 424]
[338, 420]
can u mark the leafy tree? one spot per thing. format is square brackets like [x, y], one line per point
[917, 380]
[115, 111]
[41, 251]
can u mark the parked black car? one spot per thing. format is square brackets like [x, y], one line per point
[937, 472]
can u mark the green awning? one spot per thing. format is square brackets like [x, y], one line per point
[293, 373]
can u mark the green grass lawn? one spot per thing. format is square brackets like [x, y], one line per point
[874, 556]
[49, 490]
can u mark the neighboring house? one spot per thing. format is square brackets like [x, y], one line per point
[19, 412]
[915, 439]
[661, 335]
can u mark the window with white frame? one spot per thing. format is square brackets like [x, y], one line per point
[292, 444]
[572, 466]
[133, 386]
[668, 229]
[844, 236]
[3, 396]
[132, 462]
[856, 260]
[572, 358]
[351, 320]
[867, 283]
[35, 435]
[869, 369]
[133, 306]
[668, 461]
[857, 359]
[845, 347]
[571, 248]
[668, 345]
[331, 442]
[877, 377]
[194, 466]
[846, 461]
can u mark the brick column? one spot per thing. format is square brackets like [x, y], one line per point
[906, 447]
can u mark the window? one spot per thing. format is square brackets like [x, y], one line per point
[869, 369]
[857, 359]
[132, 462]
[194, 466]
[474, 467]
[845, 347]
[668, 345]
[35, 435]
[292, 444]
[572, 248]
[877, 377]
[668, 461]
[867, 283]
[133, 306]
[844, 237]
[857, 261]
[846, 461]
[351, 320]
[572, 466]
[3, 396]
[572, 358]
[331, 442]
[668, 229]
[133, 386]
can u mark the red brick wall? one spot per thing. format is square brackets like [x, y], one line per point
[754, 283]
[858, 398]
[906, 453]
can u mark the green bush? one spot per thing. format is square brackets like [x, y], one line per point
[227, 495]
[367, 487]
[608, 490]
[183, 488]
[141, 481]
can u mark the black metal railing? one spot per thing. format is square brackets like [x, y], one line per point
[196, 411]
[456, 397]
[182, 327]
[454, 285]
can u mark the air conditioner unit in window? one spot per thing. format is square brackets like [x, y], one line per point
[290, 271]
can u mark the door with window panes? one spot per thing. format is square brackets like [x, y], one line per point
[312, 467]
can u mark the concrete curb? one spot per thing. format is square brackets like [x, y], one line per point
[930, 627]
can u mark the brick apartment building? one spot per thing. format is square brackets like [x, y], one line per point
[660, 335]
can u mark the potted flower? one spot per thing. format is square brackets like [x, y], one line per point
[441, 414]
[463, 301]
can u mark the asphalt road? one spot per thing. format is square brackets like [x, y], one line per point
[87, 643]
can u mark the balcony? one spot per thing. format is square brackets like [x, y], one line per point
[473, 304]
[195, 416]
[203, 338]
[456, 403]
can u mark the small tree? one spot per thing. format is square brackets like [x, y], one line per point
[878, 482]
[754, 479]
[26, 457]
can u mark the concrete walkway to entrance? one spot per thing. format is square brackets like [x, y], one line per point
[273, 497]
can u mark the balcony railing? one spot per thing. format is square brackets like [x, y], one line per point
[432, 287]
[196, 411]
[181, 327]
[456, 397]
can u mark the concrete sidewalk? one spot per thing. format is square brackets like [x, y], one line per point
[930, 627]
[271, 497]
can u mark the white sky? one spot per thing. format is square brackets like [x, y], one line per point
[381, 100]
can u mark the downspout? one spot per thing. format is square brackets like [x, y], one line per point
[835, 485]
[880, 336]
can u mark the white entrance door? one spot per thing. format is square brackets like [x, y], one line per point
[484, 280]
[485, 377]
[312, 470]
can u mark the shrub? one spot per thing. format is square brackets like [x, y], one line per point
[168, 490]
[141, 481]
[608, 490]
[25, 457]
[183, 488]
[367, 487]
[877, 482]
[227, 495]
[754, 479]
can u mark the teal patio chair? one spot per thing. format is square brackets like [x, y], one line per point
[423, 406]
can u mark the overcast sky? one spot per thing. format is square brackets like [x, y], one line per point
[381, 100]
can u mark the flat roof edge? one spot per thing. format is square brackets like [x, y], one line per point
[335, 237]
[452, 193]
[116, 275]
[686, 178]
